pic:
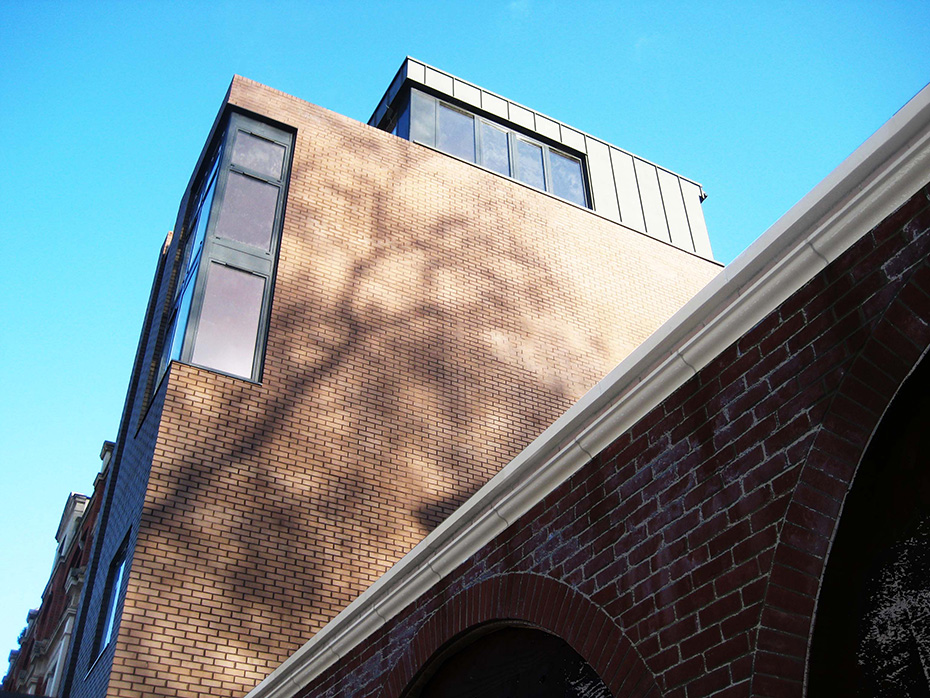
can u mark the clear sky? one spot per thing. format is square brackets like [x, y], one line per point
[104, 108]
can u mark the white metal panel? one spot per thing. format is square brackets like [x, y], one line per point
[631, 207]
[603, 189]
[438, 81]
[691, 193]
[547, 127]
[416, 71]
[494, 104]
[675, 211]
[573, 139]
[467, 93]
[522, 117]
[653, 210]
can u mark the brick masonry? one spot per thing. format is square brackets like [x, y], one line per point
[429, 320]
[685, 559]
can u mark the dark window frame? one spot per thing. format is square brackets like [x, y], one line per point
[110, 608]
[197, 253]
[430, 137]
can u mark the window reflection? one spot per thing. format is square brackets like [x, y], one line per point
[456, 133]
[229, 317]
[248, 211]
[422, 118]
[258, 154]
[493, 146]
[567, 178]
[494, 151]
[200, 230]
[530, 164]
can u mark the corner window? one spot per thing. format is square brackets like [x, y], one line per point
[478, 140]
[226, 260]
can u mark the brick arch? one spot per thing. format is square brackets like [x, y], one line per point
[898, 342]
[545, 603]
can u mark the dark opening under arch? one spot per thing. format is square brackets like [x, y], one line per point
[872, 629]
[506, 660]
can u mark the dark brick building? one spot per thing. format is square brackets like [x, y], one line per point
[348, 334]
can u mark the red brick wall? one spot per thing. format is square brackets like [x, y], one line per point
[429, 320]
[686, 558]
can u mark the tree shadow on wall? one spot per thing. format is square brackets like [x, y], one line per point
[410, 357]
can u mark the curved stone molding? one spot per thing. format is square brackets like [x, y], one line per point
[545, 603]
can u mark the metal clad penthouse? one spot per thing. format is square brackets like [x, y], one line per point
[428, 106]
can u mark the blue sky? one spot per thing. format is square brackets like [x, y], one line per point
[104, 108]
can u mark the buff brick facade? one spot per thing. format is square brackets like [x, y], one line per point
[687, 558]
[429, 320]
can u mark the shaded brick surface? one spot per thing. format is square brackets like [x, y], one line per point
[702, 533]
[429, 320]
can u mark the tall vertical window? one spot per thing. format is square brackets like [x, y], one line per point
[219, 314]
[453, 130]
[110, 605]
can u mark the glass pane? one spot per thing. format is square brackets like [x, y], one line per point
[567, 180]
[456, 133]
[117, 583]
[530, 164]
[258, 154]
[200, 230]
[211, 178]
[184, 309]
[247, 214]
[228, 327]
[494, 154]
[422, 118]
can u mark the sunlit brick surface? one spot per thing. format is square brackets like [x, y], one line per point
[686, 558]
[429, 320]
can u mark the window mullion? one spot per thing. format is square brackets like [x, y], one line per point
[512, 154]
[529, 157]
[479, 149]
[547, 169]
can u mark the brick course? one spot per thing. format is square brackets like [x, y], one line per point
[429, 320]
[701, 534]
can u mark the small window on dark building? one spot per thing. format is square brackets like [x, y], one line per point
[110, 604]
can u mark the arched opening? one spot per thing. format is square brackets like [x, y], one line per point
[872, 630]
[507, 659]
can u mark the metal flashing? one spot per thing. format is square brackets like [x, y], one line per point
[664, 210]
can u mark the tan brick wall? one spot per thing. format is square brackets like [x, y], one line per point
[429, 320]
